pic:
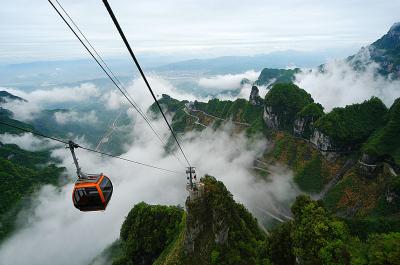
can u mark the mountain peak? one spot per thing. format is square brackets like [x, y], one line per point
[394, 30]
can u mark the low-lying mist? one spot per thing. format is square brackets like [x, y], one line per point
[52, 231]
[340, 85]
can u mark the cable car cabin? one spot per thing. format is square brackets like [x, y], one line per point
[92, 193]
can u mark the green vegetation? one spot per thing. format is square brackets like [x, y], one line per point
[388, 55]
[311, 170]
[362, 227]
[312, 110]
[384, 249]
[146, 232]
[268, 75]
[286, 100]
[5, 116]
[21, 173]
[180, 120]
[5, 96]
[170, 104]
[217, 231]
[316, 237]
[245, 241]
[280, 244]
[386, 141]
[352, 125]
[308, 115]
[239, 110]
[309, 178]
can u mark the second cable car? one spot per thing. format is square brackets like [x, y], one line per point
[91, 192]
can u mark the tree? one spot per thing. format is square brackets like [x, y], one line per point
[318, 238]
[384, 249]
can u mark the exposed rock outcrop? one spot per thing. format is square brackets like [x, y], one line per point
[303, 127]
[215, 223]
[282, 103]
[255, 98]
[271, 119]
[203, 221]
[322, 141]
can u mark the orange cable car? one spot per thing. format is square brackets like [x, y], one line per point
[91, 192]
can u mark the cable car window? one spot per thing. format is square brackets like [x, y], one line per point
[88, 197]
[106, 188]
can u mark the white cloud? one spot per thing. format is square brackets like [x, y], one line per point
[27, 141]
[73, 116]
[138, 91]
[228, 81]
[340, 85]
[79, 93]
[56, 233]
[22, 110]
[38, 99]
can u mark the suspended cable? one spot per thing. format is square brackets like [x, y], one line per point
[101, 59]
[121, 33]
[130, 100]
[85, 148]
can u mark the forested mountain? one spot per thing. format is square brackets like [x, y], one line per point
[346, 158]
[21, 173]
[345, 162]
[217, 230]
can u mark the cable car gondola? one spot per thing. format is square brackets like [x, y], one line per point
[91, 192]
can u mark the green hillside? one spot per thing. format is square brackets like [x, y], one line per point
[217, 230]
[21, 173]
[228, 233]
[6, 116]
[353, 124]
[386, 141]
[136, 246]
[270, 76]
[285, 101]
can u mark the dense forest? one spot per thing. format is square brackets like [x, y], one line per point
[314, 236]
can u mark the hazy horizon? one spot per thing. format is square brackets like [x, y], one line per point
[189, 29]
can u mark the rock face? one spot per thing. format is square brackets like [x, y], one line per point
[302, 127]
[322, 141]
[218, 226]
[271, 119]
[255, 98]
[201, 223]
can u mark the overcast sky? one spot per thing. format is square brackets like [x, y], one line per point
[30, 30]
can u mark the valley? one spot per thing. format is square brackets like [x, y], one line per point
[282, 179]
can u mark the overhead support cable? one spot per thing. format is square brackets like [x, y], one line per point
[121, 33]
[110, 75]
[86, 148]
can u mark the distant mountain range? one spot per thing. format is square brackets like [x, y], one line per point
[239, 64]
[47, 73]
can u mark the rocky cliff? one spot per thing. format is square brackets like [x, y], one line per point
[282, 103]
[217, 231]
[255, 98]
